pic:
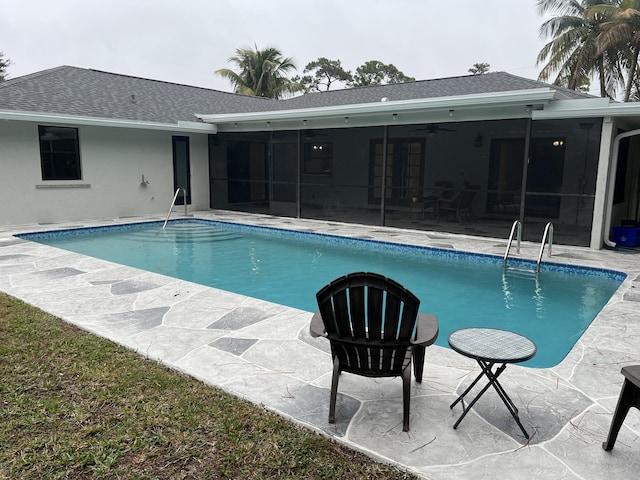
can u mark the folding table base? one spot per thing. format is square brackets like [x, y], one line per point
[487, 370]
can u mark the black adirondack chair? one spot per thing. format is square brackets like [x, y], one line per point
[374, 328]
[629, 397]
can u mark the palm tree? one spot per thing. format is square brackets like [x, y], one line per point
[622, 31]
[261, 73]
[4, 64]
[573, 52]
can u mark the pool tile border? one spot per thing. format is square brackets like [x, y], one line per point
[446, 253]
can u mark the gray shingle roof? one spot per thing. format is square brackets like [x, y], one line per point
[93, 93]
[443, 87]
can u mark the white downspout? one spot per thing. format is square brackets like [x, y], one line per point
[608, 205]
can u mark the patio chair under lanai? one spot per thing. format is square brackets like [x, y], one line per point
[460, 205]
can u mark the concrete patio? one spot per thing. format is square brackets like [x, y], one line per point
[263, 352]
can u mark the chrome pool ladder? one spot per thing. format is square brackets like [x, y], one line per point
[516, 229]
[173, 203]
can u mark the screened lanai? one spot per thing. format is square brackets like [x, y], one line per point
[474, 177]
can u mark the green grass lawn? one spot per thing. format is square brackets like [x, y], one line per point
[74, 405]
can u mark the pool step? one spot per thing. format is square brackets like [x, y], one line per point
[186, 233]
[521, 272]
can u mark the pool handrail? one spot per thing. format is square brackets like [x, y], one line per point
[173, 203]
[517, 226]
[548, 234]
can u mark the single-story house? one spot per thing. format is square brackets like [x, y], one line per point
[80, 144]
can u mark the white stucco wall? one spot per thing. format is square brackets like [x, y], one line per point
[113, 161]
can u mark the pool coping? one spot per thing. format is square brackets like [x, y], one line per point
[568, 407]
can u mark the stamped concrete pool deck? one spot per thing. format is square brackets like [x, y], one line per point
[262, 352]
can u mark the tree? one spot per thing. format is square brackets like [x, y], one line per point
[4, 64]
[324, 73]
[261, 73]
[583, 84]
[635, 91]
[622, 31]
[479, 68]
[375, 72]
[573, 53]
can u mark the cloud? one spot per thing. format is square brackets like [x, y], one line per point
[186, 41]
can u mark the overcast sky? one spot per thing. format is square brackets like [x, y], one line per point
[185, 41]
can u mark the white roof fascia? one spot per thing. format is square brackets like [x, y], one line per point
[498, 99]
[60, 119]
[595, 107]
[197, 126]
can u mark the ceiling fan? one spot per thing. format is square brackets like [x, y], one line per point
[434, 128]
[311, 134]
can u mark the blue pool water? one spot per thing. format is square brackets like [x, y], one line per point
[553, 307]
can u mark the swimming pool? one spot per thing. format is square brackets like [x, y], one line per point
[553, 307]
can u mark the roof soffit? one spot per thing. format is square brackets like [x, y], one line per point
[596, 107]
